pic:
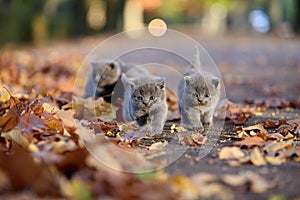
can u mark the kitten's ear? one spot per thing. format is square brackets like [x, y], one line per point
[112, 65]
[96, 63]
[161, 83]
[188, 79]
[126, 81]
[215, 82]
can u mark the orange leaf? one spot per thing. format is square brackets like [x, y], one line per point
[250, 141]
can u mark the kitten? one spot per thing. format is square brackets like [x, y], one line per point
[103, 78]
[198, 96]
[145, 101]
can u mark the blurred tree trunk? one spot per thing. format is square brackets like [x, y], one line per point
[297, 16]
[79, 13]
[114, 14]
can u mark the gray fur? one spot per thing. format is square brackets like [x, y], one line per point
[104, 76]
[198, 96]
[145, 101]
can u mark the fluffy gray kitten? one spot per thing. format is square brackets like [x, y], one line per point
[103, 78]
[198, 96]
[145, 101]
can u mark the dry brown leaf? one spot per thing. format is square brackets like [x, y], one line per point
[10, 120]
[256, 128]
[4, 181]
[184, 187]
[199, 139]
[158, 146]
[275, 160]
[67, 117]
[16, 136]
[256, 157]
[30, 122]
[251, 141]
[203, 178]
[288, 153]
[288, 136]
[231, 153]
[276, 146]
[109, 154]
[234, 180]
[258, 183]
[272, 123]
[192, 139]
[37, 176]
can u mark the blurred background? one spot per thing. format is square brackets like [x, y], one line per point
[39, 21]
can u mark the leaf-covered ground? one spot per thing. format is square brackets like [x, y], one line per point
[44, 139]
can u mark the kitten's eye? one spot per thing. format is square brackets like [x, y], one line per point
[152, 97]
[207, 95]
[139, 98]
[196, 95]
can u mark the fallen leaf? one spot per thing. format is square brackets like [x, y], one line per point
[255, 128]
[67, 117]
[251, 141]
[258, 184]
[276, 146]
[4, 181]
[10, 120]
[16, 136]
[192, 139]
[199, 139]
[231, 153]
[203, 178]
[256, 157]
[30, 122]
[37, 176]
[158, 146]
[234, 180]
[288, 153]
[270, 124]
[288, 136]
[185, 187]
[76, 189]
[275, 160]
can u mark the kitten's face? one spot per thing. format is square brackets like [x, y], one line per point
[201, 91]
[147, 95]
[106, 73]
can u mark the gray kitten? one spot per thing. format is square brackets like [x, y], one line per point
[103, 78]
[198, 96]
[145, 101]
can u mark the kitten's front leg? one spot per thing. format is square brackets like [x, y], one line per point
[191, 119]
[208, 118]
[158, 119]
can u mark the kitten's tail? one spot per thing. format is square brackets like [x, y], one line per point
[196, 61]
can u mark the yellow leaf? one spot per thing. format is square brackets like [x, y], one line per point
[158, 146]
[275, 160]
[276, 146]
[231, 153]
[33, 148]
[256, 158]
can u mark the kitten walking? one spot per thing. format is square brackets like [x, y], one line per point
[145, 101]
[103, 78]
[198, 96]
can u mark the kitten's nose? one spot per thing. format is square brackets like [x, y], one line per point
[201, 101]
[145, 102]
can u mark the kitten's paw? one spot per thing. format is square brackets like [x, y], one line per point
[207, 124]
[193, 128]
